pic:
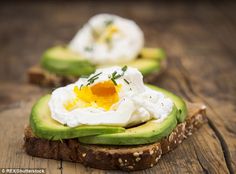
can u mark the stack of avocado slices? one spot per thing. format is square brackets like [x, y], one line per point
[64, 62]
[45, 127]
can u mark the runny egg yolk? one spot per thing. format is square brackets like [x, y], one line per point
[101, 95]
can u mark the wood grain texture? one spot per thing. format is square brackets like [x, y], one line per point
[200, 42]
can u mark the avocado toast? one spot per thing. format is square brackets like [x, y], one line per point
[106, 40]
[151, 61]
[114, 122]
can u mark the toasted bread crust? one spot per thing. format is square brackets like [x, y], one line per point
[37, 75]
[127, 158]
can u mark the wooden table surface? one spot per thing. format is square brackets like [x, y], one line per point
[200, 41]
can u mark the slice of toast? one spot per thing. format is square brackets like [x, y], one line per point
[127, 158]
[39, 76]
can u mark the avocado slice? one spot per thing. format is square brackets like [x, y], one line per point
[45, 127]
[145, 66]
[148, 132]
[153, 53]
[62, 61]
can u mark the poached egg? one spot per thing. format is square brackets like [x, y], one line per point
[111, 96]
[108, 39]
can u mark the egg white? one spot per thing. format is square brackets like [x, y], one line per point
[124, 46]
[137, 102]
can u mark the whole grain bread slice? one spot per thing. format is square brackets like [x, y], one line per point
[39, 76]
[127, 158]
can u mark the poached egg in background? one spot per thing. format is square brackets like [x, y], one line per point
[108, 39]
[111, 96]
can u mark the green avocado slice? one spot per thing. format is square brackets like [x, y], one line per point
[148, 132]
[145, 66]
[45, 127]
[153, 53]
[62, 61]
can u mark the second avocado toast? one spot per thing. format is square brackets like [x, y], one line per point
[106, 40]
[110, 120]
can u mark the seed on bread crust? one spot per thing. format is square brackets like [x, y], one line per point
[137, 153]
[120, 160]
[130, 167]
[171, 137]
[157, 158]
[151, 152]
